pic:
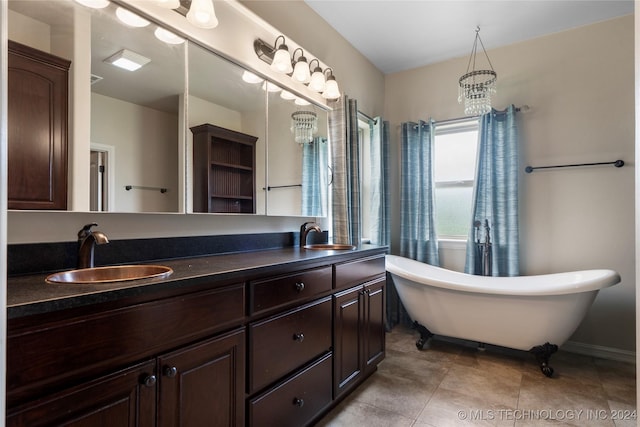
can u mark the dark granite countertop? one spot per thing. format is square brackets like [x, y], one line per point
[29, 295]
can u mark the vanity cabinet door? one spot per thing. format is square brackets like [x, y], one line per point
[203, 384]
[123, 399]
[37, 129]
[359, 335]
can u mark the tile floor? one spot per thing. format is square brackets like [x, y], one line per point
[451, 383]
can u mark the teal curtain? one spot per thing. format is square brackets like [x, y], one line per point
[380, 212]
[345, 159]
[418, 239]
[495, 196]
[315, 177]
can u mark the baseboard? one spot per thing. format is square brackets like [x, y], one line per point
[600, 351]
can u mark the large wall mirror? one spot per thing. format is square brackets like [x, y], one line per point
[131, 133]
[298, 172]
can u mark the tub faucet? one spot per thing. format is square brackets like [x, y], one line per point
[305, 229]
[87, 239]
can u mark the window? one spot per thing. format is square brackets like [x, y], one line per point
[454, 173]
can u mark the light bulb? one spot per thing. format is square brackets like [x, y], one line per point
[202, 15]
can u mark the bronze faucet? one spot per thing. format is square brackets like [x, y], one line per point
[305, 229]
[87, 239]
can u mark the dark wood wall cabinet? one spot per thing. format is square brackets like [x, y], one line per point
[37, 129]
[265, 350]
[224, 163]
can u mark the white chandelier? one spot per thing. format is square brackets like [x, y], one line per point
[304, 124]
[476, 87]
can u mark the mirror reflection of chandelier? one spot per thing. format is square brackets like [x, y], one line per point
[304, 124]
[476, 87]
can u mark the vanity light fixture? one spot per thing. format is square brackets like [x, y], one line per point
[281, 59]
[201, 14]
[167, 36]
[304, 124]
[301, 72]
[249, 77]
[131, 18]
[128, 60]
[301, 101]
[331, 90]
[476, 87]
[94, 4]
[316, 82]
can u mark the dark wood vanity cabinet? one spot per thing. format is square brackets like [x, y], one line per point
[224, 163]
[271, 350]
[37, 129]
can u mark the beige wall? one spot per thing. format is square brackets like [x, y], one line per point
[578, 84]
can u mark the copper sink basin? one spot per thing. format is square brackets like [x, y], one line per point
[116, 273]
[330, 247]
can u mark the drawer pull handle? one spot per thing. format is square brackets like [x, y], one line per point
[298, 402]
[149, 381]
[299, 286]
[170, 371]
[298, 337]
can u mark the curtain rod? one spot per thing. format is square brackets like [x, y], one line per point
[375, 121]
[462, 119]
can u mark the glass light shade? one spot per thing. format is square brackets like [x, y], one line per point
[94, 4]
[282, 61]
[301, 71]
[316, 83]
[287, 95]
[331, 90]
[169, 4]
[167, 36]
[301, 101]
[201, 14]
[270, 87]
[249, 77]
[131, 18]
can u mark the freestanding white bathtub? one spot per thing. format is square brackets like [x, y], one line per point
[531, 313]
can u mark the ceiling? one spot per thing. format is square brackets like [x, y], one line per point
[397, 35]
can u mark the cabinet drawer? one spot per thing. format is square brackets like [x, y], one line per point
[274, 292]
[296, 401]
[281, 344]
[57, 353]
[359, 271]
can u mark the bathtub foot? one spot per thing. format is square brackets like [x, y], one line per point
[542, 354]
[425, 334]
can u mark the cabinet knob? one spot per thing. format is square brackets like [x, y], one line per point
[298, 337]
[298, 402]
[299, 286]
[149, 381]
[170, 371]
